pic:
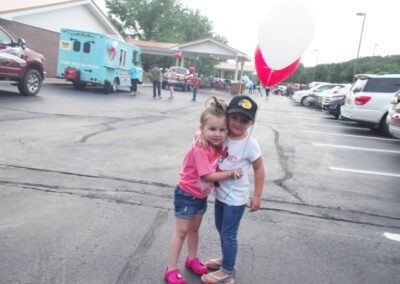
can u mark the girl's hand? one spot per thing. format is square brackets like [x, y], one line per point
[199, 139]
[255, 203]
[236, 173]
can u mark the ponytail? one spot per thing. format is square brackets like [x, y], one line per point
[214, 106]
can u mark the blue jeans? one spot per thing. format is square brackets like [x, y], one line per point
[195, 93]
[156, 85]
[227, 220]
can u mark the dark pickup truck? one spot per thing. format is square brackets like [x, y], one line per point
[20, 65]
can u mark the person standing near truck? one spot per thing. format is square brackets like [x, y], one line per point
[172, 80]
[196, 86]
[134, 78]
[156, 78]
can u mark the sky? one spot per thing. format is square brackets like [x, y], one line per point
[337, 28]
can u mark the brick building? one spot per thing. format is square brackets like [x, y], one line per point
[40, 21]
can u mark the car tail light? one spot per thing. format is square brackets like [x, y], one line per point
[335, 91]
[362, 100]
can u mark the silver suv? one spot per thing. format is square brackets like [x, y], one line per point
[369, 99]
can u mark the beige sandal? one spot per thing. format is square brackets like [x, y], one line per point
[214, 263]
[227, 279]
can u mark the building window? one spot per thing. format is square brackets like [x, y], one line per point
[122, 58]
[77, 45]
[134, 59]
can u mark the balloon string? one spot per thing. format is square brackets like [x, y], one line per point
[269, 77]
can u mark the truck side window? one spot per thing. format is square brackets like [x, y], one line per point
[86, 47]
[134, 56]
[122, 58]
[77, 45]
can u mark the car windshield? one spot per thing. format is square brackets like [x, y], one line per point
[324, 88]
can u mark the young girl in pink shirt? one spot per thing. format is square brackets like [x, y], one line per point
[196, 180]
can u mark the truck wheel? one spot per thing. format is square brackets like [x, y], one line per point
[115, 86]
[79, 85]
[31, 83]
[107, 88]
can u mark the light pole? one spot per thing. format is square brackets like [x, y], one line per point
[316, 62]
[359, 45]
[373, 57]
[375, 48]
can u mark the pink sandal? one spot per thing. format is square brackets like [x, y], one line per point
[196, 265]
[174, 276]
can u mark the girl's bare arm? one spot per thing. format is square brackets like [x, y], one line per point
[218, 176]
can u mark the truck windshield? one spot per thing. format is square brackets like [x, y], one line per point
[4, 39]
[182, 71]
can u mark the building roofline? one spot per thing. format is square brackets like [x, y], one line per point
[215, 41]
[106, 20]
[40, 6]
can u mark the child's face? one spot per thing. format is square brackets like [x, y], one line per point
[238, 124]
[215, 129]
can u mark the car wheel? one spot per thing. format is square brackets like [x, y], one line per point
[304, 101]
[384, 126]
[31, 83]
[163, 85]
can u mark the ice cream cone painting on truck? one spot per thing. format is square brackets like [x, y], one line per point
[96, 59]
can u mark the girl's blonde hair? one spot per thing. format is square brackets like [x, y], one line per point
[214, 106]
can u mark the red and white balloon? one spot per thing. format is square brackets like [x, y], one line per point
[269, 77]
[283, 36]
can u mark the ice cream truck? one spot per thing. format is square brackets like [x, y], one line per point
[96, 59]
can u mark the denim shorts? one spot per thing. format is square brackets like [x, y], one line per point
[186, 205]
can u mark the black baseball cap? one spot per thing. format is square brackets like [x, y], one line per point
[243, 104]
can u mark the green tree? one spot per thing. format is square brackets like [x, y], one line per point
[162, 21]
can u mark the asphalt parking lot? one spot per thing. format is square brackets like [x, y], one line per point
[86, 183]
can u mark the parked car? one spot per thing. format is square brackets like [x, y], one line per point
[279, 90]
[335, 99]
[314, 84]
[393, 117]
[369, 99]
[317, 97]
[219, 84]
[302, 96]
[20, 65]
[205, 82]
[185, 79]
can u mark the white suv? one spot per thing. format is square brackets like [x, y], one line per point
[369, 99]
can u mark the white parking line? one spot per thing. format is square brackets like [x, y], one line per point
[364, 172]
[340, 126]
[355, 148]
[349, 135]
[393, 237]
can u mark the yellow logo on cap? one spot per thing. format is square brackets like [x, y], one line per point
[245, 104]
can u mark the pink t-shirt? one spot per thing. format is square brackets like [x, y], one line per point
[198, 162]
